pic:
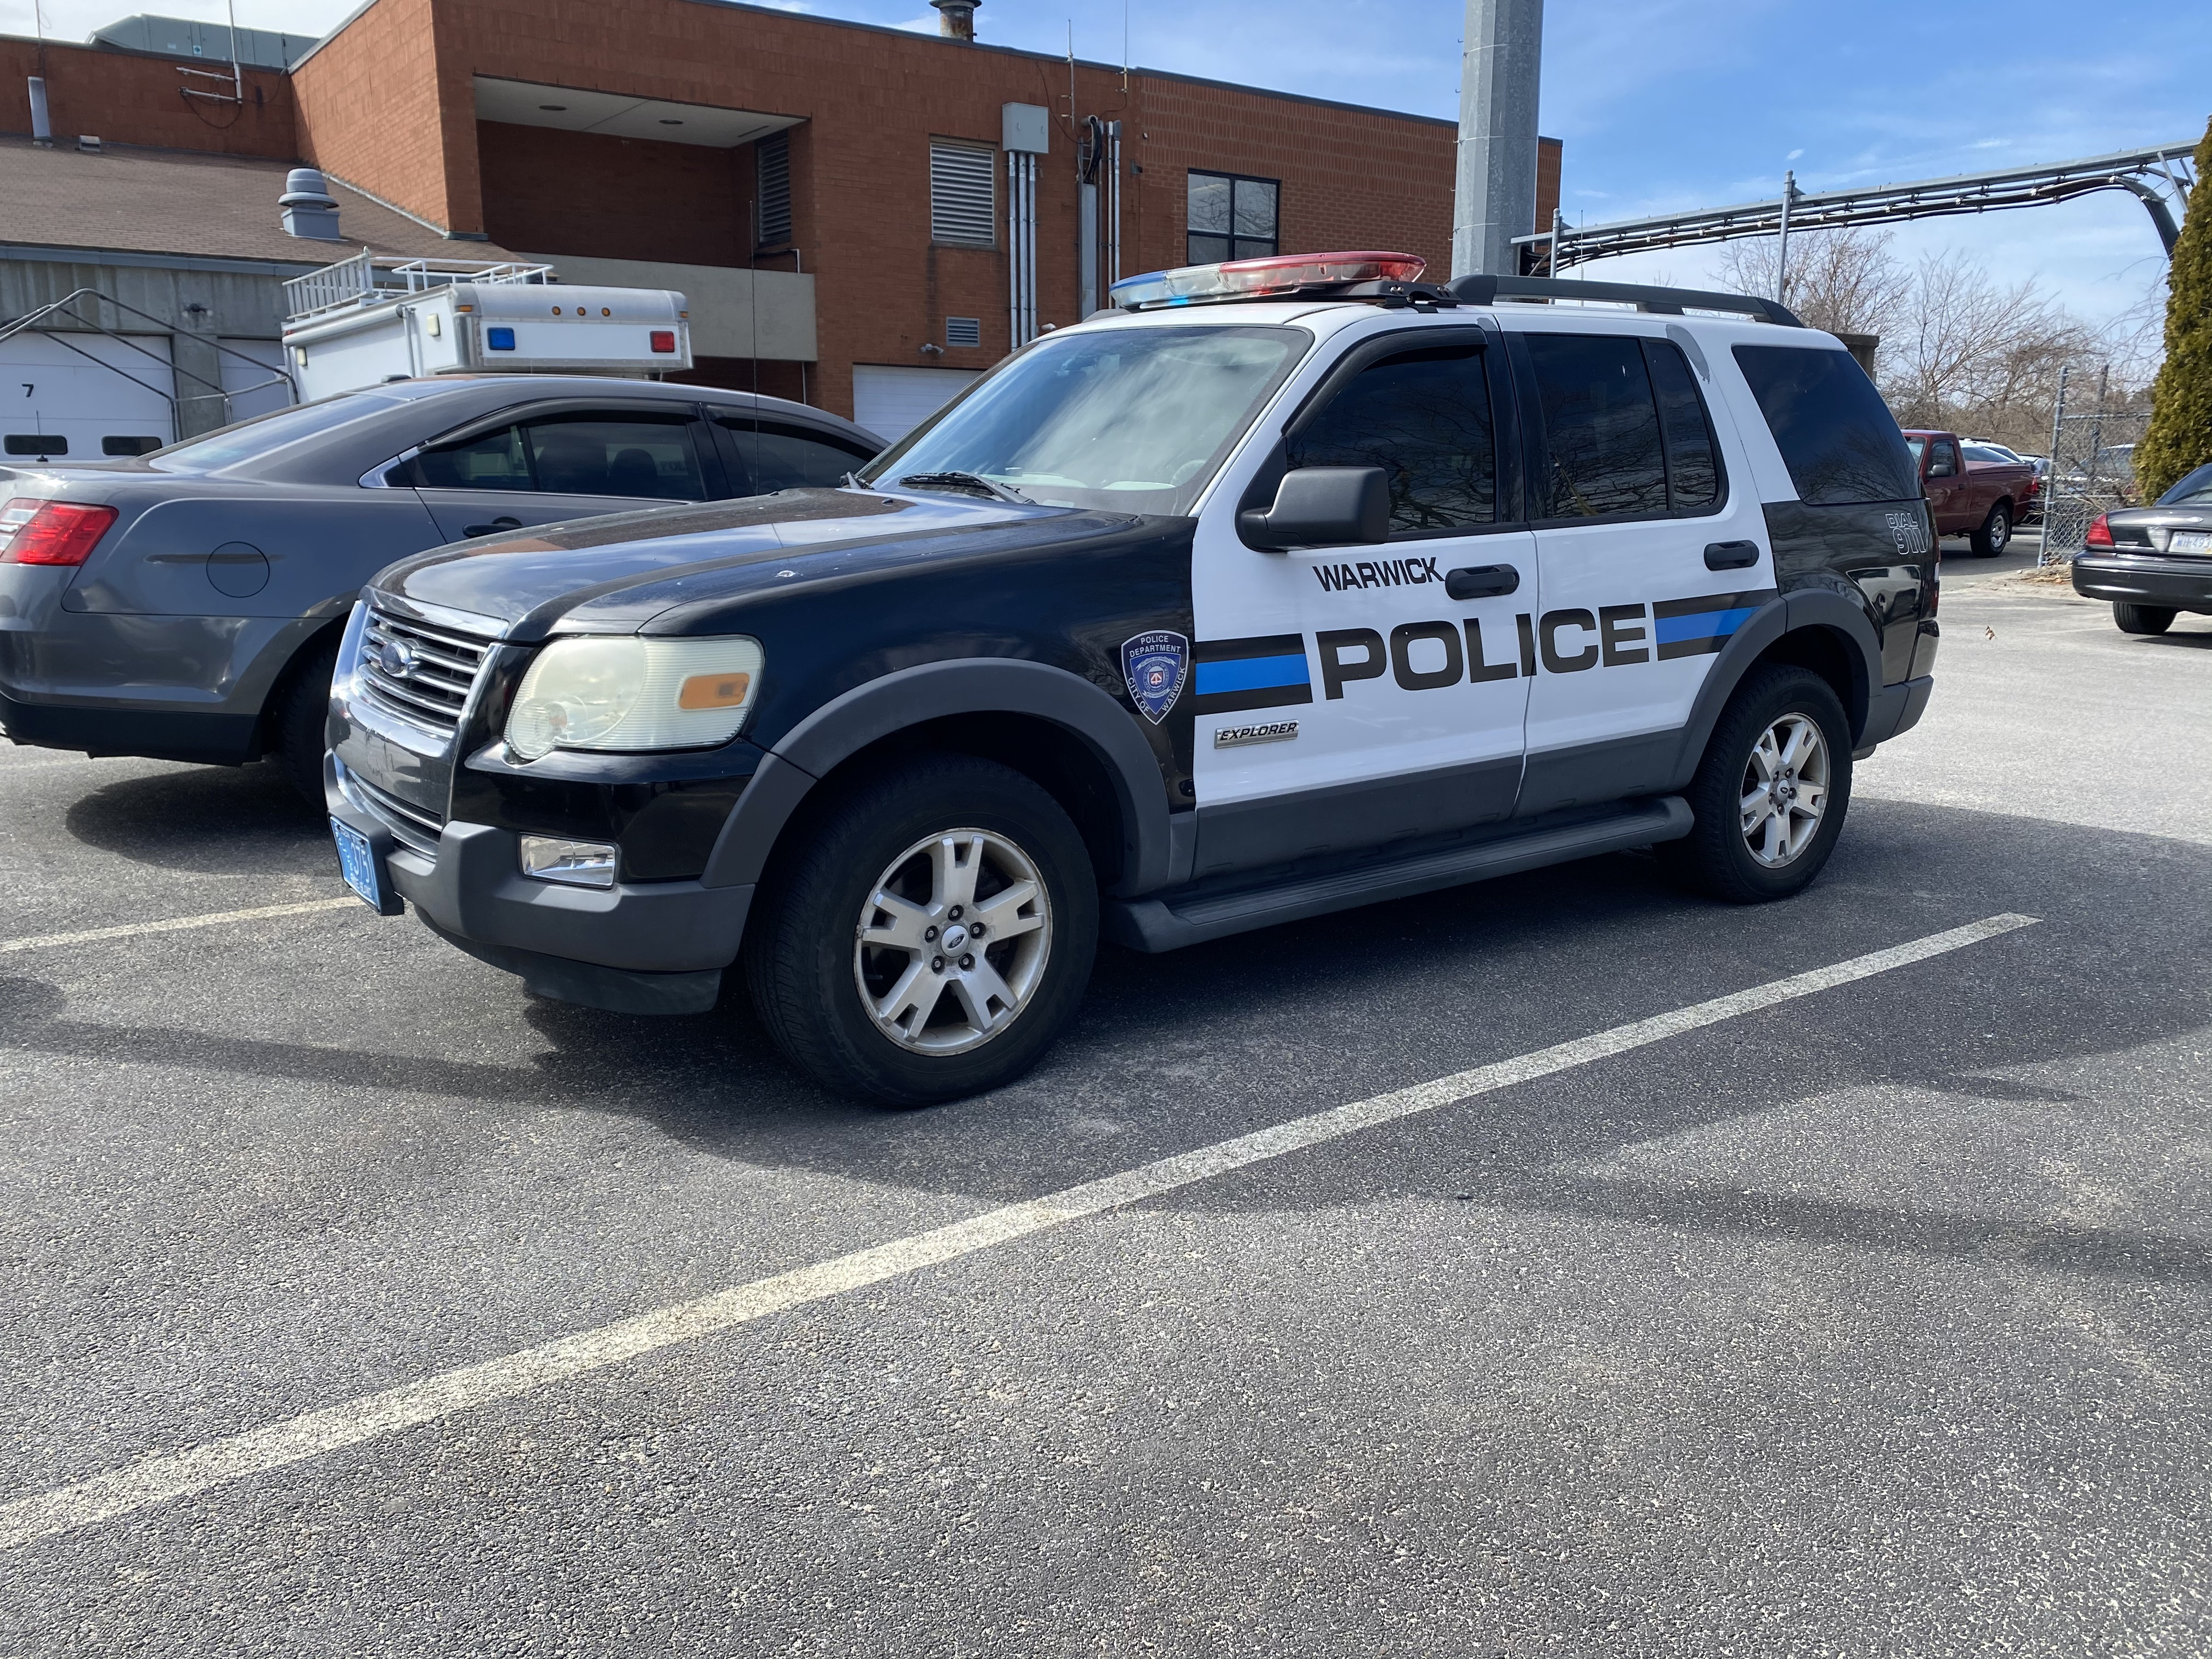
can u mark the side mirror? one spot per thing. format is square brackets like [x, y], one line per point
[1321, 506]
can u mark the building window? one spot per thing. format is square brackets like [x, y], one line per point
[1232, 217]
[772, 173]
[960, 198]
[963, 331]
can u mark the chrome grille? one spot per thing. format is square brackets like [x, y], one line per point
[414, 827]
[441, 667]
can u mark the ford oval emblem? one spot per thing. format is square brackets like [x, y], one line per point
[397, 659]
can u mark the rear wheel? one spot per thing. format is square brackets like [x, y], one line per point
[2142, 618]
[1770, 793]
[302, 721]
[929, 935]
[1996, 532]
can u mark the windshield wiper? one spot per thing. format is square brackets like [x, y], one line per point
[965, 483]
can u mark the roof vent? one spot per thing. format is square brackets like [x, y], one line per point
[89, 144]
[956, 19]
[310, 210]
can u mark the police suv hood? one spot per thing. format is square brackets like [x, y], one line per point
[675, 570]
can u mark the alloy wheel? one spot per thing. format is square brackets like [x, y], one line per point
[1785, 790]
[952, 941]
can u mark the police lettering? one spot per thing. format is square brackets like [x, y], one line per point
[1427, 656]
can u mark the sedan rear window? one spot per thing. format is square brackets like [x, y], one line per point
[1836, 436]
[247, 438]
[2194, 490]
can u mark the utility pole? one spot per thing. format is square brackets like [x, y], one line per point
[1495, 196]
[1782, 248]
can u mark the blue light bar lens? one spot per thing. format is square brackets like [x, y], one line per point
[500, 339]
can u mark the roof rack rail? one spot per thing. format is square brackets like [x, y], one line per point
[1667, 301]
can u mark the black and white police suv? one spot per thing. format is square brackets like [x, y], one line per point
[1285, 586]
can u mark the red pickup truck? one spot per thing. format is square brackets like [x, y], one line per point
[1979, 499]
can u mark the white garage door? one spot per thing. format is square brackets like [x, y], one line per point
[256, 386]
[892, 402]
[101, 399]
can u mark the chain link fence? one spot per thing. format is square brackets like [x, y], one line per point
[2091, 465]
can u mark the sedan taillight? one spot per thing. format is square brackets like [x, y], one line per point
[2100, 534]
[33, 531]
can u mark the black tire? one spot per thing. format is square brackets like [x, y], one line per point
[2141, 619]
[1716, 858]
[804, 961]
[1995, 534]
[299, 722]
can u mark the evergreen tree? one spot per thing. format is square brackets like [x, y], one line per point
[2179, 438]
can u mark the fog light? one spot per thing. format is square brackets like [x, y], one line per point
[578, 863]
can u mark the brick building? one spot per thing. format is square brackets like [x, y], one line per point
[865, 218]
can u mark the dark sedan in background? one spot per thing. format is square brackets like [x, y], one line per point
[2153, 562]
[186, 605]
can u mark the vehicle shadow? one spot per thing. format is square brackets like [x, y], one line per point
[1178, 1051]
[205, 820]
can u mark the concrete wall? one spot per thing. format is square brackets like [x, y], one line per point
[769, 315]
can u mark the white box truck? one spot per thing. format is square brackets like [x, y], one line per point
[363, 321]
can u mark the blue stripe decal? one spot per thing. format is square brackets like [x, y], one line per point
[1702, 625]
[1251, 674]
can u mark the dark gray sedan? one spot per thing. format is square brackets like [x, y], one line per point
[2153, 562]
[186, 605]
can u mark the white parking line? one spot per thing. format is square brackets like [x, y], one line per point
[175, 924]
[162, 1479]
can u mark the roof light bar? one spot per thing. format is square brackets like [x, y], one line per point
[1250, 279]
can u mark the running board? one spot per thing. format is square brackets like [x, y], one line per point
[1169, 923]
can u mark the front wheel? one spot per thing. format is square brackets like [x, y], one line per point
[2142, 618]
[928, 936]
[1771, 791]
[1996, 532]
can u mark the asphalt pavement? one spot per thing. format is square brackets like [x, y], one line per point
[1865, 1315]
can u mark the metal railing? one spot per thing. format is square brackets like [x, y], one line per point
[46, 320]
[365, 279]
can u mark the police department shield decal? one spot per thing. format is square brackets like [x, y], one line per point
[1155, 666]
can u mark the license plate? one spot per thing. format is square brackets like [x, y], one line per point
[2190, 541]
[357, 863]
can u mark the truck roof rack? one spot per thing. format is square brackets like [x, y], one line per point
[1666, 301]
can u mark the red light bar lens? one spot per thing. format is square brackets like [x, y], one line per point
[2100, 534]
[1280, 273]
[33, 531]
[664, 339]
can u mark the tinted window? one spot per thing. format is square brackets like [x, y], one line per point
[1984, 452]
[1944, 463]
[1694, 470]
[774, 457]
[1601, 426]
[1423, 417]
[573, 455]
[2194, 490]
[1836, 436]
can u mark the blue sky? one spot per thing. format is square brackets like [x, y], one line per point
[1671, 103]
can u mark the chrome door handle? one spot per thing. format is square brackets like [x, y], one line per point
[1731, 555]
[1481, 582]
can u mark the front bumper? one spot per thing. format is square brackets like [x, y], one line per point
[641, 947]
[2171, 584]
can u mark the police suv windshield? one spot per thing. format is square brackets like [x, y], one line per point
[1131, 418]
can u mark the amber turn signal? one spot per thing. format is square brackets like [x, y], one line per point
[713, 691]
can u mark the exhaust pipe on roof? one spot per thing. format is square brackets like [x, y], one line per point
[956, 19]
[42, 129]
[310, 210]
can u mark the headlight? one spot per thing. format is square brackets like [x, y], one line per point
[632, 694]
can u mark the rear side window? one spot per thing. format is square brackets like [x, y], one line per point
[1836, 436]
[1601, 428]
[1694, 468]
[774, 456]
[1424, 418]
